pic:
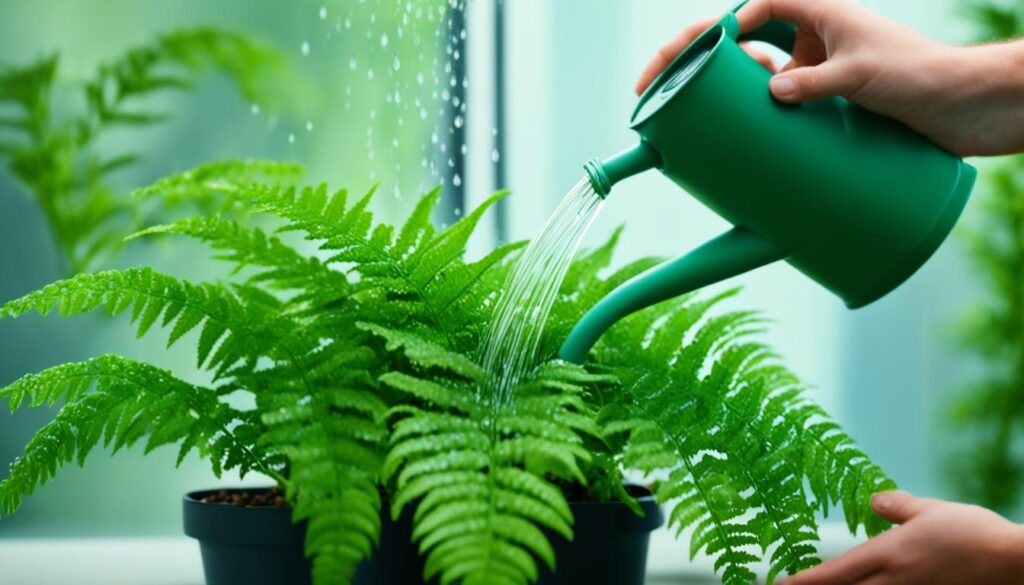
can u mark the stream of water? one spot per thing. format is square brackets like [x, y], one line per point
[511, 344]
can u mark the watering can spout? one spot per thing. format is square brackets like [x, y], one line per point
[736, 251]
[605, 173]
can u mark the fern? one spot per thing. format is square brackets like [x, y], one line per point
[741, 441]
[56, 157]
[363, 364]
[118, 402]
[479, 472]
[414, 278]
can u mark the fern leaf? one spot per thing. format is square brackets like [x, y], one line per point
[479, 472]
[735, 436]
[118, 402]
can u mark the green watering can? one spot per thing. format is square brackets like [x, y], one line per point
[855, 201]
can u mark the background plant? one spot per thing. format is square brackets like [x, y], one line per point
[990, 469]
[55, 149]
[362, 369]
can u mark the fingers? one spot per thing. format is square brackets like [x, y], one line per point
[880, 578]
[761, 58]
[900, 507]
[805, 14]
[802, 84]
[670, 50]
[848, 569]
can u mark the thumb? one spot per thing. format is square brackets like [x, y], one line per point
[808, 83]
[899, 507]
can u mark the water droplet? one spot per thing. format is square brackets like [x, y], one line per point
[398, 191]
[323, 12]
[397, 64]
[458, 121]
[369, 73]
[305, 48]
[348, 23]
[309, 125]
[384, 40]
[352, 63]
[398, 97]
[423, 113]
[433, 138]
[464, 149]
[419, 78]
[255, 109]
[291, 138]
[458, 210]
[457, 180]
[495, 155]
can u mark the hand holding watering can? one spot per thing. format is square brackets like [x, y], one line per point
[845, 165]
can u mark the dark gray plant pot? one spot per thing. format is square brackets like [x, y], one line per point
[261, 546]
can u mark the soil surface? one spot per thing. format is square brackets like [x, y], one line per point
[274, 497]
[257, 498]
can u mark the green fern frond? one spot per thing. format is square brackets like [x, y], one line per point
[118, 402]
[231, 331]
[416, 278]
[281, 266]
[479, 472]
[55, 155]
[331, 431]
[735, 436]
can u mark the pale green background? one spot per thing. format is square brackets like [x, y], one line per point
[883, 371]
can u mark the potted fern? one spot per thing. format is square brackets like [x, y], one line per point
[351, 379]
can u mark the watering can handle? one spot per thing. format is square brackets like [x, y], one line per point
[779, 33]
[736, 251]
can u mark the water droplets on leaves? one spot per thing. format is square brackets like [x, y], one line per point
[458, 121]
[397, 63]
[384, 40]
[352, 63]
[323, 13]
[309, 125]
[304, 49]
[457, 180]
[495, 155]
[255, 109]
[291, 138]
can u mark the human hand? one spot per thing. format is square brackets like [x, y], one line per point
[969, 100]
[937, 543]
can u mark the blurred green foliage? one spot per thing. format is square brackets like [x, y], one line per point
[51, 146]
[989, 470]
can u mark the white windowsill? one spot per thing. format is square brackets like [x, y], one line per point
[175, 560]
